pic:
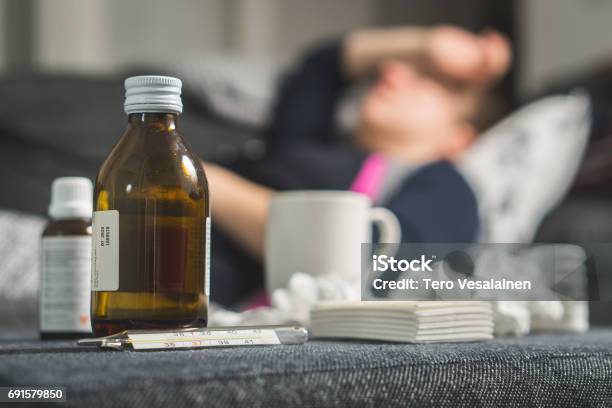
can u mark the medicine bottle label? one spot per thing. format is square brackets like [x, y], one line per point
[64, 291]
[105, 257]
[207, 259]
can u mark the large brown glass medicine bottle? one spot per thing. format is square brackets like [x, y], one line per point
[151, 223]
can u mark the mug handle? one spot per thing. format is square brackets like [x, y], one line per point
[388, 225]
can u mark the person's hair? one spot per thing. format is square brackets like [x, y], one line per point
[489, 109]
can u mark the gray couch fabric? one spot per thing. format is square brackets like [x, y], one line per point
[539, 370]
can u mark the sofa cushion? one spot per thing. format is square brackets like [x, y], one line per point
[540, 370]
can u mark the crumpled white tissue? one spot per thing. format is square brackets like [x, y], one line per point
[290, 305]
[517, 318]
[303, 291]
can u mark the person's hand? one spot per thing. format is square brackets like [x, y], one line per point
[466, 64]
[456, 55]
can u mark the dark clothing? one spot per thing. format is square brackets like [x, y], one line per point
[305, 151]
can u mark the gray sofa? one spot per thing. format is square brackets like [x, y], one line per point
[539, 370]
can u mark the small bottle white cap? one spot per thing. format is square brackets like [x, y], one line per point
[153, 93]
[71, 197]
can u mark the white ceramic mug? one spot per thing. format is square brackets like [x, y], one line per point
[321, 232]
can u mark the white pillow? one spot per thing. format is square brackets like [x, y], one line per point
[522, 167]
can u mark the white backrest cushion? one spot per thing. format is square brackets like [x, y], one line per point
[522, 167]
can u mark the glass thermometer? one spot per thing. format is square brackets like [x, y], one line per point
[200, 338]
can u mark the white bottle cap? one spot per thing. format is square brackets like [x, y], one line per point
[71, 197]
[153, 93]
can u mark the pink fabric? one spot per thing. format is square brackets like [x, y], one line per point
[261, 299]
[370, 178]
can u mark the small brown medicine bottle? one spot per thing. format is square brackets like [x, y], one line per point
[151, 223]
[64, 300]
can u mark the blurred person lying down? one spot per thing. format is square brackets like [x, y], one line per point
[414, 121]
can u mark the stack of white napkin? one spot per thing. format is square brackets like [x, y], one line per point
[409, 322]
